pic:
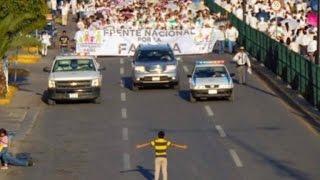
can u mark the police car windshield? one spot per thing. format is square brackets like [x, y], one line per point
[154, 55]
[66, 65]
[206, 72]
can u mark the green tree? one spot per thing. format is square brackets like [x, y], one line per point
[18, 18]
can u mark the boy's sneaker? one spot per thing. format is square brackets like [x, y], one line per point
[30, 163]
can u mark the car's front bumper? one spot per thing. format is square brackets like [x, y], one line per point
[198, 93]
[74, 94]
[149, 78]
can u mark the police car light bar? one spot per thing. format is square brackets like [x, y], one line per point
[210, 62]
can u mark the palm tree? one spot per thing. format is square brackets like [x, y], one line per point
[18, 18]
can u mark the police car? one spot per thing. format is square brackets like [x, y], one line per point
[211, 79]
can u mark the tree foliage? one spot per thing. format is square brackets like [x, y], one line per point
[18, 18]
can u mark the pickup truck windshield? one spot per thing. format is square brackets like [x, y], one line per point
[207, 72]
[155, 55]
[66, 65]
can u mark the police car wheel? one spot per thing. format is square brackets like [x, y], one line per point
[51, 102]
[192, 99]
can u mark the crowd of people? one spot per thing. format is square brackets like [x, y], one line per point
[160, 14]
[289, 25]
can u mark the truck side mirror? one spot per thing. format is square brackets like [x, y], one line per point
[189, 76]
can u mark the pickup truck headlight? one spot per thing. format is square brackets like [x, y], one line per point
[51, 84]
[199, 87]
[139, 68]
[171, 67]
[96, 82]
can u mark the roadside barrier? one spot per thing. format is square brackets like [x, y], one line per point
[297, 71]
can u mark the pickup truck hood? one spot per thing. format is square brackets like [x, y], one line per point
[212, 81]
[67, 76]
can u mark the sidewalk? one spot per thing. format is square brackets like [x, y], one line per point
[310, 114]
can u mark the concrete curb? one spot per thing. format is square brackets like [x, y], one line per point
[26, 127]
[292, 97]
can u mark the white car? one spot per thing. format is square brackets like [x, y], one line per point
[210, 79]
[74, 77]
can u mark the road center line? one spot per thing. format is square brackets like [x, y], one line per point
[124, 113]
[125, 136]
[121, 83]
[185, 68]
[235, 158]
[209, 110]
[126, 161]
[221, 131]
[121, 70]
[121, 61]
[123, 96]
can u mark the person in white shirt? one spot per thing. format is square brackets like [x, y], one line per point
[219, 32]
[232, 35]
[262, 25]
[312, 48]
[294, 46]
[74, 6]
[45, 41]
[304, 42]
[54, 7]
[239, 12]
[253, 21]
[64, 13]
[243, 65]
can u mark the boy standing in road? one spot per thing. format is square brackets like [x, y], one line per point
[160, 146]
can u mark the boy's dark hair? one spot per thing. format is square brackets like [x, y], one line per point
[161, 134]
[3, 131]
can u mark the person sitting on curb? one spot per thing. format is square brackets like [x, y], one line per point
[5, 156]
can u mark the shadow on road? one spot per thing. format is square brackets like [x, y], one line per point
[146, 173]
[279, 166]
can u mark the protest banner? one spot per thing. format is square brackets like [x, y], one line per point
[123, 42]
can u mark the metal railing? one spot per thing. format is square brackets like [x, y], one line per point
[297, 71]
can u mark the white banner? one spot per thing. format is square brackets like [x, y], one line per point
[123, 42]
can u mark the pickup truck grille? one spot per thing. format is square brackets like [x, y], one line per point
[73, 84]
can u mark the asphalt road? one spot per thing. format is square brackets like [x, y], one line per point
[256, 137]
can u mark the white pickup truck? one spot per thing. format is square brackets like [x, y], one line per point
[74, 78]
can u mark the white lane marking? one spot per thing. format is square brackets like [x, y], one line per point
[123, 96]
[209, 110]
[124, 113]
[121, 83]
[221, 131]
[121, 61]
[235, 158]
[185, 68]
[125, 136]
[121, 70]
[126, 161]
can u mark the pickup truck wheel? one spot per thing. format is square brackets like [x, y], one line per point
[51, 102]
[134, 87]
[97, 100]
[175, 86]
[231, 97]
[191, 98]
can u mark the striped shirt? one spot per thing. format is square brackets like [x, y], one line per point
[160, 146]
